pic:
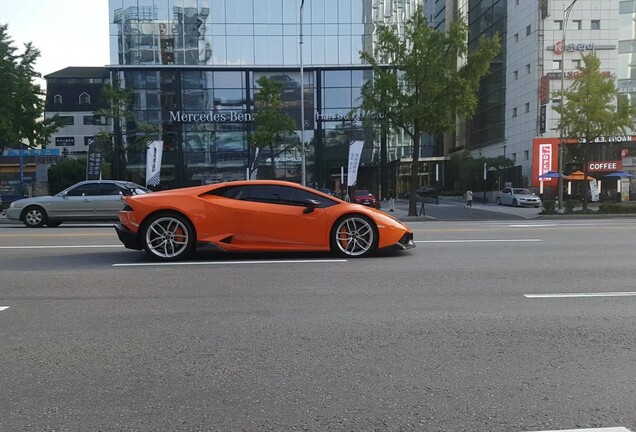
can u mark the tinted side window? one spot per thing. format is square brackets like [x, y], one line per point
[271, 194]
[233, 192]
[109, 189]
[300, 196]
[84, 190]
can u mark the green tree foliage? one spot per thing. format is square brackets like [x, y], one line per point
[433, 77]
[592, 108]
[66, 172]
[116, 101]
[21, 97]
[274, 127]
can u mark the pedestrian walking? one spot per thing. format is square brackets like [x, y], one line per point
[469, 198]
[391, 201]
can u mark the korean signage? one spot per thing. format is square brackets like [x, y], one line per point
[542, 118]
[559, 48]
[64, 141]
[32, 152]
[93, 163]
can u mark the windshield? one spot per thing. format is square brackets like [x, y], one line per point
[521, 192]
[362, 193]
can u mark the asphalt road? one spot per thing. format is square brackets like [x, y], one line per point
[445, 337]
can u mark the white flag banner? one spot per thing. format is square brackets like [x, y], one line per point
[355, 151]
[153, 163]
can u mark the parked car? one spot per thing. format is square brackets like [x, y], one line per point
[518, 197]
[428, 191]
[254, 215]
[364, 197]
[87, 200]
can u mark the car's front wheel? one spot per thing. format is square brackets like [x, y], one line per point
[515, 203]
[354, 236]
[168, 237]
[34, 217]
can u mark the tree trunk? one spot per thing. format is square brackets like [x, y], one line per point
[414, 178]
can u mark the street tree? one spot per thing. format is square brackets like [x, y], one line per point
[424, 80]
[274, 128]
[116, 102]
[592, 109]
[21, 96]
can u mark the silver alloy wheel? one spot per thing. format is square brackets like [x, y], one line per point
[354, 236]
[167, 237]
[34, 217]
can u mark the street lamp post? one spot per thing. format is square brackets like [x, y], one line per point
[303, 156]
[566, 16]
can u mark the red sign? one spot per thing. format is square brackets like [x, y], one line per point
[545, 153]
[559, 47]
[605, 166]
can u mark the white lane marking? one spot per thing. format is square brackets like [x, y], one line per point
[609, 429]
[479, 241]
[4, 308]
[575, 295]
[62, 247]
[230, 262]
[532, 225]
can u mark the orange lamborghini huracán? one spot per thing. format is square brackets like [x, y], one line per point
[254, 215]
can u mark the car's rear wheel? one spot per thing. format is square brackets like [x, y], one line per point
[498, 201]
[53, 224]
[34, 217]
[168, 237]
[354, 236]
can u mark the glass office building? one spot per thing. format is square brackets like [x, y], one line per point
[193, 66]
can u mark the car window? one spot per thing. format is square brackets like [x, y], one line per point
[506, 191]
[84, 190]
[109, 189]
[272, 194]
[522, 191]
[362, 192]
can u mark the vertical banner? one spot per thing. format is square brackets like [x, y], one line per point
[594, 191]
[153, 163]
[254, 168]
[355, 151]
[93, 161]
[625, 189]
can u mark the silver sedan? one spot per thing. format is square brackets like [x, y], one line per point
[87, 200]
[518, 197]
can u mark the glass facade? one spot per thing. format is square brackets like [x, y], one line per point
[205, 116]
[248, 32]
[487, 126]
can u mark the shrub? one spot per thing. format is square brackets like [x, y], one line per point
[570, 205]
[549, 207]
[616, 208]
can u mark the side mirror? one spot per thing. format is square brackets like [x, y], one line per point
[310, 205]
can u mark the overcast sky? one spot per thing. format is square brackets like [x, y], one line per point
[67, 32]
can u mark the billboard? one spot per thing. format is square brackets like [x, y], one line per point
[545, 157]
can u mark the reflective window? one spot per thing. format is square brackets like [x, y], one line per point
[109, 189]
[84, 190]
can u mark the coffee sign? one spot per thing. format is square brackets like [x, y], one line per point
[605, 166]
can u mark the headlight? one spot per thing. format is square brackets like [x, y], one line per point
[12, 205]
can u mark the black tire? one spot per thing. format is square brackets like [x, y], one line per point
[34, 216]
[354, 236]
[498, 201]
[168, 237]
[514, 203]
[53, 223]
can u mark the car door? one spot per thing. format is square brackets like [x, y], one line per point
[108, 202]
[76, 203]
[506, 196]
[274, 214]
